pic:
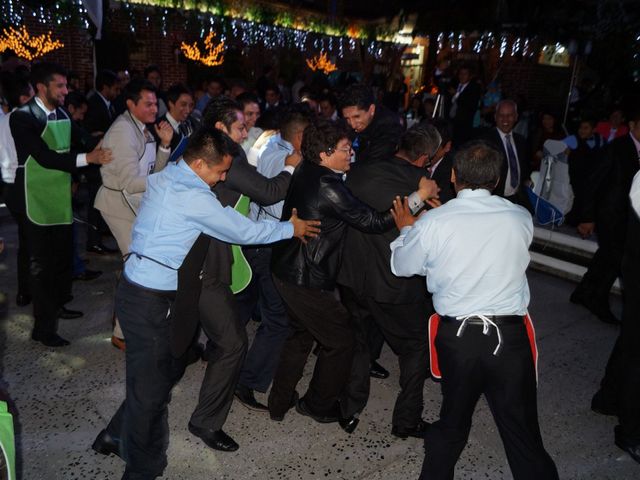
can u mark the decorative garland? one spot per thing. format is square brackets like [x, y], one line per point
[27, 46]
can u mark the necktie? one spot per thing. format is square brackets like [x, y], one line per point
[147, 135]
[514, 177]
[183, 128]
[52, 116]
[112, 111]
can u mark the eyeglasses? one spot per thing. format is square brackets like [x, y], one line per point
[348, 150]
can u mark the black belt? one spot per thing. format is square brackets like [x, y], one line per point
[497, 319]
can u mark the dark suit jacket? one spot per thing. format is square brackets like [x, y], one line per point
[607, 201]
[366, 257]
[522, 151]
[467, 104]
[379, 141]
[27, 124]
[442, 176]
[97, 118]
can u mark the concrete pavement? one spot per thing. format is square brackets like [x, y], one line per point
[65, 396]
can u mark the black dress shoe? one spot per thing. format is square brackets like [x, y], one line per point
[378, 371]
[599, 309]
[303, 409]
[66, 314]
[218, 440]
[599, 404]
[101, 249]
[278, 417]
[349, 424]
[633, 449]
[49, 339]
[418, 431]
[23, 299]
[87, 275]
[105, 444]
[246, 397]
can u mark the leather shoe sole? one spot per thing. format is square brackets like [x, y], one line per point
[349, 424]
[632, 450]
[217, 440]
[303, 409]
[378, 371]
[50, 339]
[66, 314]
[105, 444]
[417, 432]
[246, 398]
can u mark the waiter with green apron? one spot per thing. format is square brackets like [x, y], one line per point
[44, 136]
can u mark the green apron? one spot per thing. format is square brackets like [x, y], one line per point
[240, 270]
[48, 191]
[7, 444]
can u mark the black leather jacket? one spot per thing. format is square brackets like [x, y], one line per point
[320, 194]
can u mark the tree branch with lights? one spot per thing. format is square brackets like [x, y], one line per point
[321, 62]
[27, 46]
[212, 56]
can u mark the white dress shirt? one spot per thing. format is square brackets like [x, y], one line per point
[474, 251]
[8, 154]
[508, 189]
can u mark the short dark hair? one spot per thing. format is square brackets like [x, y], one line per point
[329, 97]
[175, 91]
[14, 88]
[419, 140]
[293, 119]
[150, 69]
[43, 72]
[133, 90]
[246, 98]
[320, 136]
[633, 115]
[357, 95]
[77, 99]
[444, 129]
[105, 78]
[273, 87]
[221, 109]
[477, 165]
[208, 143]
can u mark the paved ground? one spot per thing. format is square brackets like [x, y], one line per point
[65, 396]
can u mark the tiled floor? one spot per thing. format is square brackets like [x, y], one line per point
[65, 396]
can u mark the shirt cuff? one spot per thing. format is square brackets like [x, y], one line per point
[81, 160]
[415, 203]
[405, 230]
[288, 228]
[289, 169]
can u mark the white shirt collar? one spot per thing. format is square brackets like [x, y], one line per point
[107, 102]
[503, 135]
[174, 123]
[140, 125]
[40, 103]
[477, 193]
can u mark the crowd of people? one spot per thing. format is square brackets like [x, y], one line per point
[317, 211]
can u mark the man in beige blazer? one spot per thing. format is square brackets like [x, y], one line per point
[135, 156]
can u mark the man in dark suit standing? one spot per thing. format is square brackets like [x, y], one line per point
[464, 104]
[44, 137]
[376, 131]
[607, 211]
[516, 169]
[100, 115]
[400, 307]
[180, 105]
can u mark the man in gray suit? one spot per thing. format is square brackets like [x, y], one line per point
[135, 156]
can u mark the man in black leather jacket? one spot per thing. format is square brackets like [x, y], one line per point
[305, 273]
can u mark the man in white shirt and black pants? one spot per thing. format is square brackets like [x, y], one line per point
[474, 253]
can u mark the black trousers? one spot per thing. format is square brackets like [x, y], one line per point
[50, 264]
[141, 421]
[508, 382]
[225, 354]
[20, 218]
[314, 314]
[404, 327]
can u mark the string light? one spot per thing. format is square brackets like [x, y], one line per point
[322, 63]
[27, 46]
[212, 56]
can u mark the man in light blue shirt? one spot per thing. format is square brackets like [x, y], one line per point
[262, 357]
[178, 205]
[474, 252]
